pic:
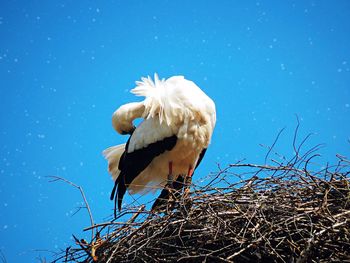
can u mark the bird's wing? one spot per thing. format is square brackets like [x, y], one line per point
[141, 148]
[137, 161]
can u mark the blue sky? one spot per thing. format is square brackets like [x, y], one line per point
[65, 66]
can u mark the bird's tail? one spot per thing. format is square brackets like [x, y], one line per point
[113, 154]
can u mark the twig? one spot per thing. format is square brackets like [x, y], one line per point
[273, 144]
[58, 178]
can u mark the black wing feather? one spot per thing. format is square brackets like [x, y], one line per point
[200, 158]
[132, 164]
[120, 167]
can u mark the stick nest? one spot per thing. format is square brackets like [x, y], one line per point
[281, 213]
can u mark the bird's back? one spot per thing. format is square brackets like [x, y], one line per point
[182, 105]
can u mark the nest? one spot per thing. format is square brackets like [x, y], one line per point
[280, 213]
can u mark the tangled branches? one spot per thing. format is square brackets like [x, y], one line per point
[288, 211]
[280, 213]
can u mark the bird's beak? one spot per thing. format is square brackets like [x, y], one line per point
[130, 132]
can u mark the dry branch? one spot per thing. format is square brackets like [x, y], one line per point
[58, 178]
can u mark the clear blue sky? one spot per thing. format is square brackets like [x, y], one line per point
[65, 66]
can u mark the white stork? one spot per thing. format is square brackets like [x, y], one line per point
[178, 122]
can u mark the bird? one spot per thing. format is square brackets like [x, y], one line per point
[177, 123]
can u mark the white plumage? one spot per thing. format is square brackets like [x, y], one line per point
[178, 122]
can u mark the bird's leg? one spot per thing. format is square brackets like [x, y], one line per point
[167, 193]
[186, 201]
[170, 175]
[170, 186]
[188, 181]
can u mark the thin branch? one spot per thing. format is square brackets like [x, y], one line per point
[58, 178]
[273, 144]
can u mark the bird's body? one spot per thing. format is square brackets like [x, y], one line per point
[178, 121]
